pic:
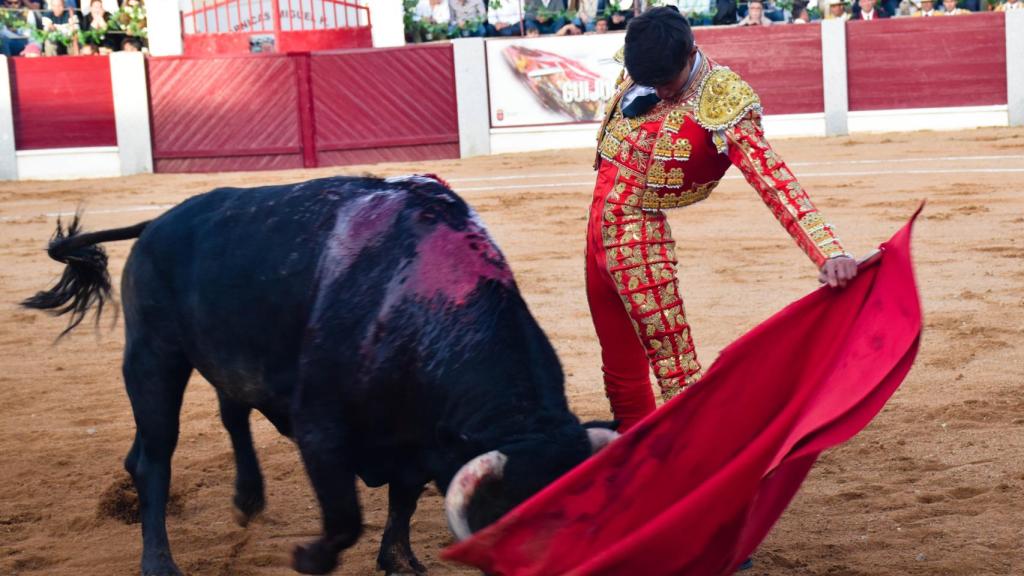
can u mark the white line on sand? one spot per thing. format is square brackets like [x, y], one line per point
[590, 182]
[800, 176]
[542, 176]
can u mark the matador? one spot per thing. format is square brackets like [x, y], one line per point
[675, 125]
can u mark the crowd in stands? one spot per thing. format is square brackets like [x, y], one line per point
[30, 28]
[439, 19]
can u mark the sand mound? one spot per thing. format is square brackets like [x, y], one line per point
[120, 501]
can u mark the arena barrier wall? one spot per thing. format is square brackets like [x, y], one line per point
[277, 111]
[831, 78]
[75, 117]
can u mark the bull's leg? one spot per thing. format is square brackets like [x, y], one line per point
[249, 497]
[155, 377]
[396, 555]
[328, 463]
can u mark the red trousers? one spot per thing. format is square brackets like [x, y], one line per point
[634, 301]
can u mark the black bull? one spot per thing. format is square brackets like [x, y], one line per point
[372, 321]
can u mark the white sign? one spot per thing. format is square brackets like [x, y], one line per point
[551, 80]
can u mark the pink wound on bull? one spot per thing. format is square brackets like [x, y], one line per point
[452, 263]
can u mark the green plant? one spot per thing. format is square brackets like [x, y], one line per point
[93, 36]
[12, 19]
[129, 20]
[52, 36]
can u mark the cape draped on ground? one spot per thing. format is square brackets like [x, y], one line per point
[696, 486]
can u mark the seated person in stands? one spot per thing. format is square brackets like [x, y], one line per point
[927, 10]
[131, 44]
[837, 10]
[15, 40]
[58, 19]
[88, 49]
[433, 11]
[468, 17]
[97, 19]
[570, 29]
[586, 14]
[1010, 5]
[617, 20]
[949, 8]
[504, 18]
[755, 15]
[800, 14]
[546, 16]
[601, 25]
[868, 11]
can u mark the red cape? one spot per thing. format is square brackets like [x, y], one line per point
[696, 486]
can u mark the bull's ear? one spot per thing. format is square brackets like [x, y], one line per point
[609, 424]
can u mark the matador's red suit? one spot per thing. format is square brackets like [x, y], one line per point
[670, 156]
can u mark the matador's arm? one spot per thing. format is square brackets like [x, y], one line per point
[779, 189]
[728, 107]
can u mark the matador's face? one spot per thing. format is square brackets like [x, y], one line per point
[674, 88]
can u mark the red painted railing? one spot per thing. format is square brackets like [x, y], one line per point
[241, 26]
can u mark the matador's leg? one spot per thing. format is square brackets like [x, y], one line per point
[627, 373]
[641, 259]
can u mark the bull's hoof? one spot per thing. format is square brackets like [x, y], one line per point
[401, 565]
[159, 565]
[246, 508]
[314, 559]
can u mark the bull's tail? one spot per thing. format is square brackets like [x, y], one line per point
[85, 282]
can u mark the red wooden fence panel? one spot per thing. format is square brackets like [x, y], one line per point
[926, 62]
[385, 105]
[781, 63]
[62, 102]
[224, 113]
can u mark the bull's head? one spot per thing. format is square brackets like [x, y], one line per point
[479, 493]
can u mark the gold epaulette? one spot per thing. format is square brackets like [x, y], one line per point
[723, 99]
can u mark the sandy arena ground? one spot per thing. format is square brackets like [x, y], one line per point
[935, 486]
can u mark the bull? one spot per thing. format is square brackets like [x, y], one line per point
[374, 322]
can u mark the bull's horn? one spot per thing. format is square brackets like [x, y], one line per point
[465, 482]
[600, 437]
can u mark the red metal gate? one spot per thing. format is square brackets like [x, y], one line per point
[242, 26]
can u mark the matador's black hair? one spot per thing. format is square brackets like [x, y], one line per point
[658, 43]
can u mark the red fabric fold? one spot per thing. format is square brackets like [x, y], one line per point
[695, 487]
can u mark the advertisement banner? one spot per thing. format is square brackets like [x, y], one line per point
[551, 80]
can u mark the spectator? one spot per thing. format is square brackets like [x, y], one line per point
[619, 12]
[434, 11]
[755, 15]
[97, 19]
[62, 21]
[131, 44]
[88, 49]
[868, 11]
[586, 14]
[801, 15]
[14, 41]
[547, 16]
[837, 10]
[601, 25]
[949, 8]
[1010, 5]
[469, 17]
[725, 13]
[504, 19]
[927, 9]
[570, 29]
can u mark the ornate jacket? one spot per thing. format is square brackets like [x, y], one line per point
[675, 154]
